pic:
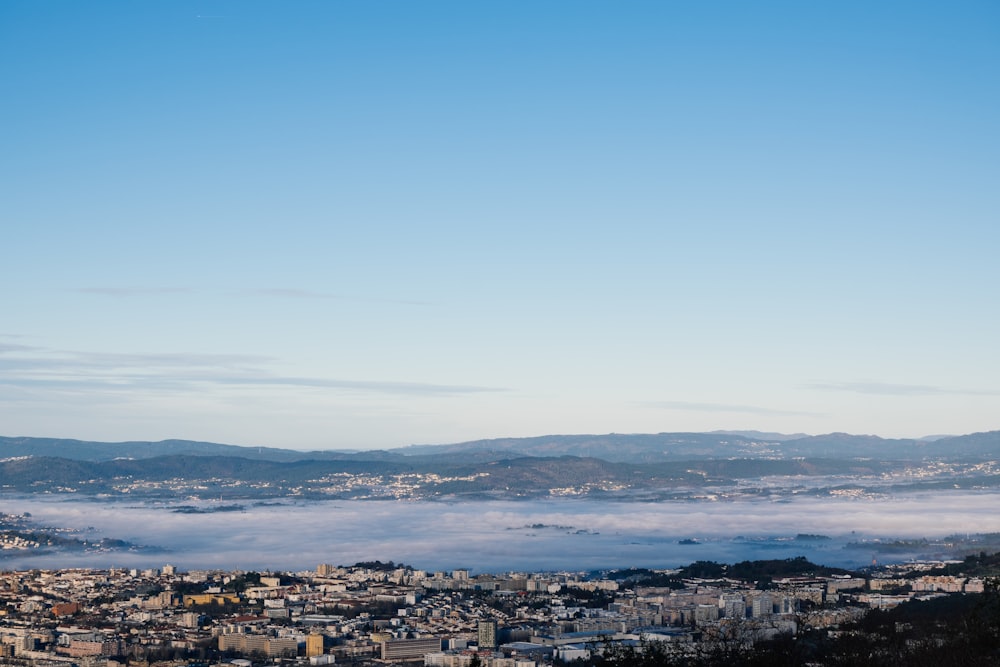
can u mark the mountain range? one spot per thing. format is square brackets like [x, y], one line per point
[625, 466]
[613, 447]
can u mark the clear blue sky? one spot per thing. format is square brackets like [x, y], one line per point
[368, 224]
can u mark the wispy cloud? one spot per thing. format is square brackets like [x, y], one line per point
[41, 368]
[14, 347]
[291, 293]
[121, 292]
[295, 293]
[267, 292]
[363, 385]
[35, 360]
[726, 407]
[892, 389]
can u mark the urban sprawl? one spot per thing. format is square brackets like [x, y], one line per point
[375, 612]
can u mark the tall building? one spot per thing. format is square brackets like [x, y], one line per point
[487, 635]
[408, 649]
[314, 645]
[762, 605]
[272, 647]
[706, 613]
[788, 604]
[733, 605]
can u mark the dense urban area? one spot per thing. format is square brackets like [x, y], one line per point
[368, 613]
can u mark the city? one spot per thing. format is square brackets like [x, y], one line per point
[387, 613]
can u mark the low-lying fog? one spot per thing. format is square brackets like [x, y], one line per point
[500, 536]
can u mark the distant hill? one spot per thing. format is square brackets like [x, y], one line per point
[639, 448]
[763, 435]
[624, 466]
[616, 447]
[84, 450]
[182, 476]
[611, 447]
[843, 445]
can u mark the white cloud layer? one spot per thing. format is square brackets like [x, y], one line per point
[496, 536]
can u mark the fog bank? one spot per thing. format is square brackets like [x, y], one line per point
[566, 534]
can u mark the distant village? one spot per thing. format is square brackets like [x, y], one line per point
[384, 613]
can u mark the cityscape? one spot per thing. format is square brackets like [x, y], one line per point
[438, 333]
[384, 613]
[630, 564]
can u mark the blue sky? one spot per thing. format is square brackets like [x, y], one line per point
[371, 224]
